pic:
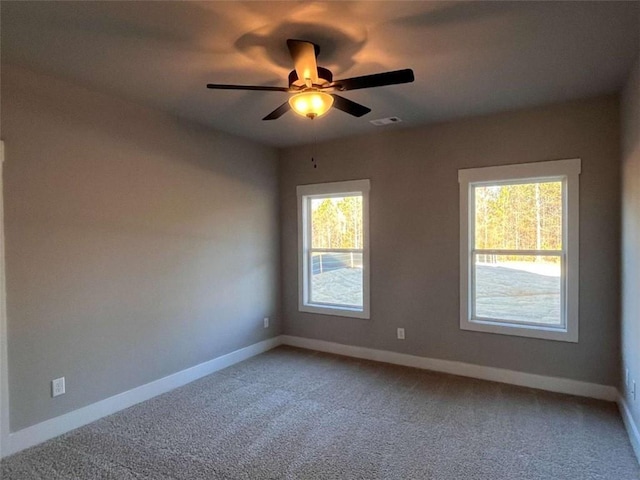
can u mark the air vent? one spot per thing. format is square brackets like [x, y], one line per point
[385, 121]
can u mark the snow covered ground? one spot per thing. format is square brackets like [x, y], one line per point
[527, 293]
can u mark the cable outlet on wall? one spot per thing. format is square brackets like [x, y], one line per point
[57, 387]
[401, 334]
[266, 322]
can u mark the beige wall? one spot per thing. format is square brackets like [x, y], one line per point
[415, 235]
[631, 236]
[136, 245]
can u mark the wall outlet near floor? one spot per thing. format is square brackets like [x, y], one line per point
[57, 387]
[266, 322]
[401, 334]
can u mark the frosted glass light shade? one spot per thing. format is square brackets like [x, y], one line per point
[311, 104]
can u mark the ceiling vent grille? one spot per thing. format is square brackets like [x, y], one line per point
[385, 121]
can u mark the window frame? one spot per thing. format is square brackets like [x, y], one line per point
[568, 172]
[305, 193]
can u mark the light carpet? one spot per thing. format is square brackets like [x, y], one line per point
[297, 414]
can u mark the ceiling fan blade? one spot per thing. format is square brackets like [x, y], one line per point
[219, 86]
[278, 112]
[352, 108]
[375, 80]
[304, 55]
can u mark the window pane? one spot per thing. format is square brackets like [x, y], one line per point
[336, 278]
[519, 217]
[336, 222]
[518, 288]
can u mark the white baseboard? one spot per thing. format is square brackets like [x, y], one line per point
[48, 429]
[552, 384]
[630, 424]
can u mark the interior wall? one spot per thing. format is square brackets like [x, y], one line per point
[414, 223]
[631, 238]
[137, 245]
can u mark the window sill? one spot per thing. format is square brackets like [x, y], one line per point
[540, 332]
[335, 311]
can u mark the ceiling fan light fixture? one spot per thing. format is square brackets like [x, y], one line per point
[311, 104]
[309, 82]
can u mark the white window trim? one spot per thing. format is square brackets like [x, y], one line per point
[360, 187]
[569, 171]
[4, 356]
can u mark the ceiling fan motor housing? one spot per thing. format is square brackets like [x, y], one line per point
[324, 76]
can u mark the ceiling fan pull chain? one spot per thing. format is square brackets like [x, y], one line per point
[315, 144]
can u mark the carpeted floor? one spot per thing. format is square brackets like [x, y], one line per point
[296, 414]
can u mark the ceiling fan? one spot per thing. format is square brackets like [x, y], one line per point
[313, 86]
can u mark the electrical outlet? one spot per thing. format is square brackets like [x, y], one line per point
[401, 334]
[266, 322]
[57, 387]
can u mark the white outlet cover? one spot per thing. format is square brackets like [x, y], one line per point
[266, 322]
[401, 334]
[57, 387]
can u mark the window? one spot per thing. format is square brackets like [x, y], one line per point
[333, 248]
[519, 249]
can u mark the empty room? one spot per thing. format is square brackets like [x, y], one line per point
[320, 240]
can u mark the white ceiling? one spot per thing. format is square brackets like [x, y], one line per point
[469, 58]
